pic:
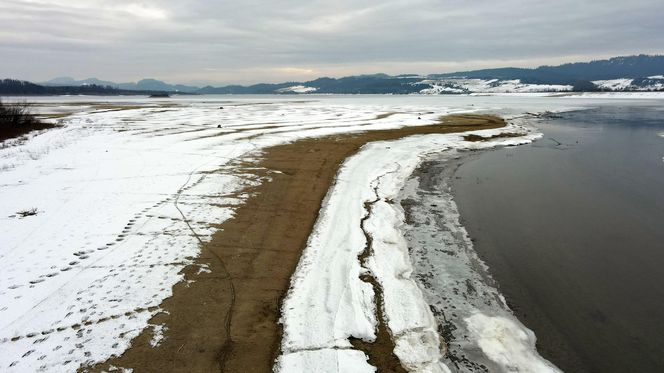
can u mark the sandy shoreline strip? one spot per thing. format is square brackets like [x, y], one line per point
[225, 318]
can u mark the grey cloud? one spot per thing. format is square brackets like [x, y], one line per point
[259, 40]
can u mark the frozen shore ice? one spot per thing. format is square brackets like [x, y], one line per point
[328, 303]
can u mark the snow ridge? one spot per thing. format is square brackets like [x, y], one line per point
[328, 303]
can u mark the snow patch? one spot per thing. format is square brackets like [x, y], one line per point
[297, 89]
[204, 268]
[614, 84]
[507, 343]
[157, 335]
[113, 368]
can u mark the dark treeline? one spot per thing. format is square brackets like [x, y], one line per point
[361, 84]
[13, 87]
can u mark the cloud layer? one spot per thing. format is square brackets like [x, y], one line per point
[258, 40]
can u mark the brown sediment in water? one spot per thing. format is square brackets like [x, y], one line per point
[227, 319]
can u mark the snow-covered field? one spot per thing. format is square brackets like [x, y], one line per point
[651, 83]
[614, 84]
[122, 195]
[462, 85]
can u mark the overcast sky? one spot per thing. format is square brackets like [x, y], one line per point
[247, 41]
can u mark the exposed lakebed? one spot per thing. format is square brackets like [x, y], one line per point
[165, 175]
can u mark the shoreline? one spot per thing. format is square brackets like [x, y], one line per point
[127, 262]
[254, 249]
[481, 330]
[571, 286]
[330, 303]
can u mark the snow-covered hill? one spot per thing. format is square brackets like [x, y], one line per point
[467, 85]
[651, 83]
[462, 85]
[297, 89]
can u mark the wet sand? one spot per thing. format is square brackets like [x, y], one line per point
[227, 319]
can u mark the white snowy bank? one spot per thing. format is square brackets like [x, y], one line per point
[328, 303]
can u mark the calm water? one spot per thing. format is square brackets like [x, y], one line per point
[572, 229]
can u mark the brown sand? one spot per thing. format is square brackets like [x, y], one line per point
[226, 320]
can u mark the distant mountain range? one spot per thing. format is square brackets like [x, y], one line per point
[142, 85]
[631, 73]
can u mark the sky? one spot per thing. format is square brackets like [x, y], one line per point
[249, 41]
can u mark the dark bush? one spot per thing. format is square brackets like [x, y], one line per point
[16, 115]
[16, 119]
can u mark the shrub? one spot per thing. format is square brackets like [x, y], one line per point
[16, 115]
[25, 213]
[16, 120]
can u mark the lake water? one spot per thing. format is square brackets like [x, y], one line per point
[571, 228]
